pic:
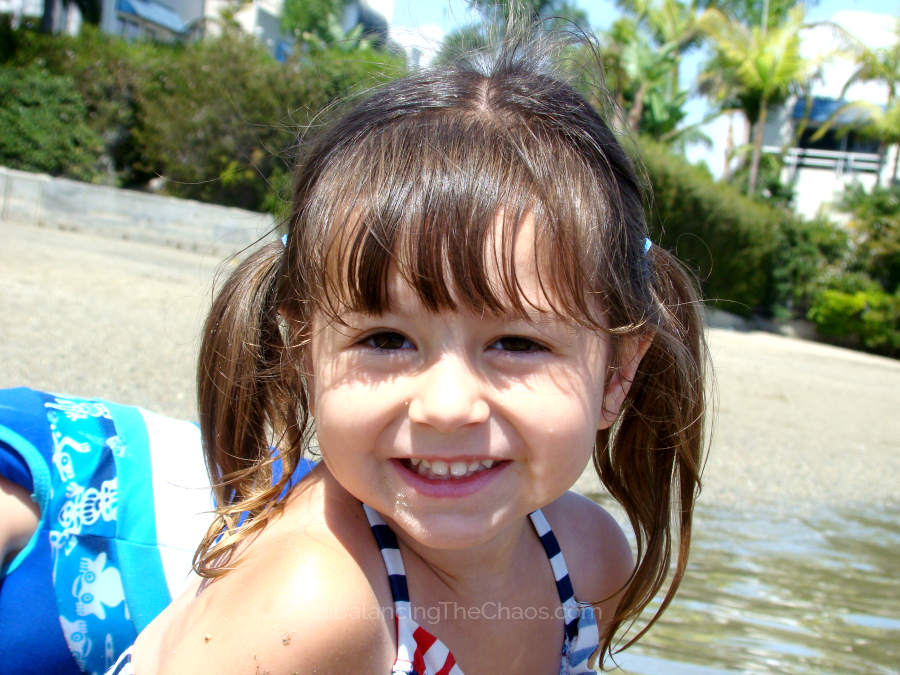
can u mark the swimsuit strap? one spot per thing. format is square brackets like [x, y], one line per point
[419, 652]
[560, 572]
[390, 551]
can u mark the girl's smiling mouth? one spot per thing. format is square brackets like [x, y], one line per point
[448, 478]
[438, 469]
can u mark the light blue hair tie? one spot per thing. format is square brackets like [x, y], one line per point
[284, 241]
[647, 245]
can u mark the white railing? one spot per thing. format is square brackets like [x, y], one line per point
[839, 162]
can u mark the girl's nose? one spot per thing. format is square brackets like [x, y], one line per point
[448, 396]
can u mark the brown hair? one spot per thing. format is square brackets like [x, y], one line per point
[416, 176]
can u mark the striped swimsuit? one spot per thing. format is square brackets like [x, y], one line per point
[420, 653]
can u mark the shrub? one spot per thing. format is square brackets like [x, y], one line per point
[43, 125]
[727, 238]
[225, 135]
[870, 317]
[108, 72]
[216, 118]
[807, 256]
[875, 225]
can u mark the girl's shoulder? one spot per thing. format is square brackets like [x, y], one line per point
[277, 609]
[596, 550]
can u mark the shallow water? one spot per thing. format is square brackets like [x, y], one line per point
[770, 592]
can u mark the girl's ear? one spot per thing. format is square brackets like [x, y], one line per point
[632, 351]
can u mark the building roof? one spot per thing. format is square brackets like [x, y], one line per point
[153, 12]
[823, 108]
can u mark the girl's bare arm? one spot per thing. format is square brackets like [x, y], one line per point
[19, 518]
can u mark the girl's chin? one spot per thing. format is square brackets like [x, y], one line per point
[450, 531]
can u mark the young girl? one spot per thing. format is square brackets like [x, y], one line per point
[465, 312]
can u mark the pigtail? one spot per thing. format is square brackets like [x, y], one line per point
[249, 403]
[651, 459]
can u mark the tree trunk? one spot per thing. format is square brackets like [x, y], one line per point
[729, 149]
[882, 151]
[48, 19]
[896, 159]
[637, 110]
[757, 148]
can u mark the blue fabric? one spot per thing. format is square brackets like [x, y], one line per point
[140, 565]
[26, 439]
[31, 637]
[92, 577]
[63, 604]
[82, 524]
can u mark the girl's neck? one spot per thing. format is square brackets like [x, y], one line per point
[457, 569]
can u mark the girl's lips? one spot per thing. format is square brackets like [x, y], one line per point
[424, 480]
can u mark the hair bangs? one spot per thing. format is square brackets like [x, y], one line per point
[441, 200]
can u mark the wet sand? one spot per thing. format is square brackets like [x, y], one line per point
[799, 424]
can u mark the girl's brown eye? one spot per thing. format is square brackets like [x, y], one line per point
[514, 343]
[388, 341]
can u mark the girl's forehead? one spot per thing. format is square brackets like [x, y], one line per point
[488, 236]
[513, 268]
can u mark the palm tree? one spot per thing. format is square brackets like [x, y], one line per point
[534, 10]
[495, 14]
[673, 24]
[645, 49]
[757, 67]
[650, 68]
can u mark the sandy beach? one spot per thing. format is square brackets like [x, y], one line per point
[800, 424]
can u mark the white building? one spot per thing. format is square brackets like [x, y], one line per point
[820, 169]
[817, 178]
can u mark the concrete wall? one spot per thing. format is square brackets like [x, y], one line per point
[40, 200]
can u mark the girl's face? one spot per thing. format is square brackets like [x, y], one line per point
[455, 425]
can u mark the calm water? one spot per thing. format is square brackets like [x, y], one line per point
[768, 592]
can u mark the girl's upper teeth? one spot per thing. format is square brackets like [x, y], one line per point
[457, 469]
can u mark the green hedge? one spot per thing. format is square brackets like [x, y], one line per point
[217, 119]
[225, 134]
[857, 299]
[726, 238]
[870, 319]
[43, 125]
[108, 73]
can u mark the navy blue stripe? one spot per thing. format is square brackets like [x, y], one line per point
[384, 536]
[572, 629]
[386, 539]
[399, 589]
[564, 586]
[551, 546]
[120, 666]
